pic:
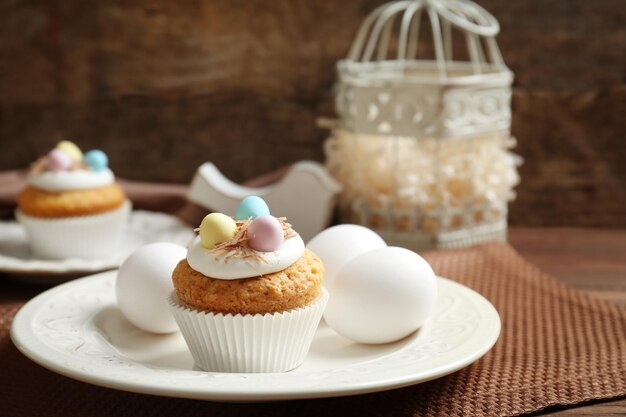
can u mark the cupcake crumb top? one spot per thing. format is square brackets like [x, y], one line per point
[294, 287]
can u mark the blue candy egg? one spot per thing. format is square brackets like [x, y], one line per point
[251, 207]
[96, 160]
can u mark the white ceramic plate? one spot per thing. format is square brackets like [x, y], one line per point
[76, 329]
[143, 227]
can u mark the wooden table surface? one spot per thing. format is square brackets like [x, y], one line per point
[592, 260]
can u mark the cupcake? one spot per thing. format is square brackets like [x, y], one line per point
[248, 297]
[72, 206]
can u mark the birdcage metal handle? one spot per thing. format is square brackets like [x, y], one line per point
[448, 10]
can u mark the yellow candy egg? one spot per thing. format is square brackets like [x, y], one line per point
[70, 149]
[216, 228]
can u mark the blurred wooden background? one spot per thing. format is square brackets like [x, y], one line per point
[163, 86]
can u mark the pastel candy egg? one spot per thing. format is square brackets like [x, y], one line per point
[251, 207]
[265, 234]
[57, 160]
[71, 150]
[216, 228]
[96, 160]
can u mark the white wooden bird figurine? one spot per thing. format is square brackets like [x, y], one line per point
[305, 194]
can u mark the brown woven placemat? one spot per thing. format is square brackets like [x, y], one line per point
[558, 347]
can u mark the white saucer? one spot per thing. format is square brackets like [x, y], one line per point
[76, 329]
[143, 227]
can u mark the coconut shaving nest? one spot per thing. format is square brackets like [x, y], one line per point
[237, 246]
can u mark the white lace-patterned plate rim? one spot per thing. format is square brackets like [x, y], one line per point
[143, 227]
[77, 330]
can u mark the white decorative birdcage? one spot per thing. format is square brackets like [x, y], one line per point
[422, 145]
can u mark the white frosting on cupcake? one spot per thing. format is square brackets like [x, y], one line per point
[216, 266]
[70, 180]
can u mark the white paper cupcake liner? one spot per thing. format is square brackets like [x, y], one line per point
[91, 236]
[250, 343]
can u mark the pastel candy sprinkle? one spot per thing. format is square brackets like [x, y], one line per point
[96, 160]
[57, 160]
[216, 228]
[251, 207]
[71, 150]
[265, 234]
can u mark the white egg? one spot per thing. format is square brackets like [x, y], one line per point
[338, 245]
[381, 296]
[143, 284]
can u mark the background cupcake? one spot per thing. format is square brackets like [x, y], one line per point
[72, 206]
[248, 297]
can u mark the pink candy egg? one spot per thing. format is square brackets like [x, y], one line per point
[265, 234]
[58, 160]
